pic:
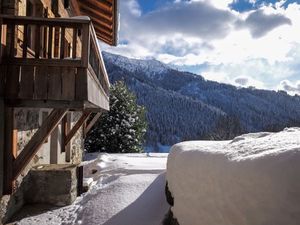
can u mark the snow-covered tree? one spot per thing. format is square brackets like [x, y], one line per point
[121, 129]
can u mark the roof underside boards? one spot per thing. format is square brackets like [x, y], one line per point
[104, 15]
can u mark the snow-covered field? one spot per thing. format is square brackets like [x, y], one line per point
[128, 190]
[252, 180]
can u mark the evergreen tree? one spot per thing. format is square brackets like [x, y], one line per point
[122, 128]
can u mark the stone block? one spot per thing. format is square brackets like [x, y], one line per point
[53, 184]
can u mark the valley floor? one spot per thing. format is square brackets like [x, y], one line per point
[127, 189]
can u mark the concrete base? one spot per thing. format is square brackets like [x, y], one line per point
[52, 184]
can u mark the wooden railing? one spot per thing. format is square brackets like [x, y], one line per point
[66, 42]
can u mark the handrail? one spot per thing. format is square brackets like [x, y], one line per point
[54, 42]
[45, 37]
[21, 20]
[100, 68]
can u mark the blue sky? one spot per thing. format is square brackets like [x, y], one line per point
[241, 42]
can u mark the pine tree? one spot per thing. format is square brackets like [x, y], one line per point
[121, 129]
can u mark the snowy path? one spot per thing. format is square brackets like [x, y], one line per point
[129, 190]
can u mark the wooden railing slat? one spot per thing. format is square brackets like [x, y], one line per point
[11, 28]
[37, 47]
[50, 42]
[25, 41]
[62, 43]
[74, 44]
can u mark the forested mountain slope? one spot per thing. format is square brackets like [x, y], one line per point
[184, 106]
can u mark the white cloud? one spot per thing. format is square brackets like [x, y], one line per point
[245, 81]
[261, 45]
[221, 4]
[290, 87]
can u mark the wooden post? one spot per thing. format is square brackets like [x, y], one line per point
[37, 47]
[25, 41]
[50, 42]
[11, 29]
[67, 130]
[79, 180]
[85, 54]
[74, 43]
[8, 148]
[1, 54]
[62, 43]
[2, 119]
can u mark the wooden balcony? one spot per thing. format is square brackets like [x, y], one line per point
[52, 63]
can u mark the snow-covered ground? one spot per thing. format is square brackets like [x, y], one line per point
[128, 190]
[252, 180]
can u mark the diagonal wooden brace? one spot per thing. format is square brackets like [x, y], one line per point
[76, 127]
[37, 141]
[92, 123]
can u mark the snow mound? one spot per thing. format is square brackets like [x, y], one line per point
[251, 180]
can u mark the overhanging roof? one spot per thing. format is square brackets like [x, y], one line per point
[104, 15]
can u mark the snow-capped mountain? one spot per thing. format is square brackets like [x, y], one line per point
[184, 106]
[152, 68]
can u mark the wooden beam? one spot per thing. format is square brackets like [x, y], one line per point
[101, 23]
[105, 5]
[94, 13]
[76, 127]
[2, 147]
[103, 30]
[75, 7]
[104, 37]
[8, 183]
[115, 22]
[107, 14]
[37, 140]
[92, 123]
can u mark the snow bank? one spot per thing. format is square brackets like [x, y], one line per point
[251, 180]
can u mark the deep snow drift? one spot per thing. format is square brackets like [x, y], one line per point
[252, 180]
[128, 190]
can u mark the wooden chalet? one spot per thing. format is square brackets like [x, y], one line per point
[52, 78]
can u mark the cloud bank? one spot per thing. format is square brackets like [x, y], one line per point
[216, 41]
